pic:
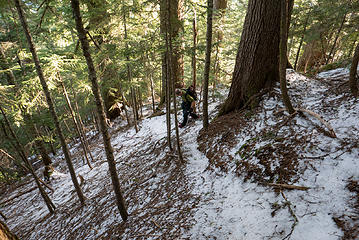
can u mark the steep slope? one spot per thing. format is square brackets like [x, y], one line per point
[221, 191]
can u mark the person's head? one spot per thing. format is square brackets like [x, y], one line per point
[191, 87]
[178, 92]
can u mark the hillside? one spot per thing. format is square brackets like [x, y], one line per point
[223, 189]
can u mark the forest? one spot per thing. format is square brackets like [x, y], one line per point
[95, 141]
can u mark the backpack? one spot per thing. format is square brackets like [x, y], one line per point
[192, 93]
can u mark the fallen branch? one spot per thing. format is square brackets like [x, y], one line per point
[317, 116]
[287, 186]
[156, 114]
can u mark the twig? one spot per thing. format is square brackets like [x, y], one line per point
[293, 215]
[157, 225]
[287, 186]
[41, 5]
[93, 40]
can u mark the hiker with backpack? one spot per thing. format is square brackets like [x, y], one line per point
[188, 105]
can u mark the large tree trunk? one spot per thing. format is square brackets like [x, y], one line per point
[49, 102]
[257, 63]
[100, 109]
[207, 63]
[176, 27]
[353, 81]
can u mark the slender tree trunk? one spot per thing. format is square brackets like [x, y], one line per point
[100, 109]
[194, 60]
[301, 42]
[168, 91]
[152, 93]
[140, 101]
[77, 127]
[163, 30]
[94, 118]
[283, 56]
[82, 126]
[129, 76]
[44, 195]
[125, 107]
[353, 77]
[207, 63]
[336, 39]
[172, 79]
[49, 102]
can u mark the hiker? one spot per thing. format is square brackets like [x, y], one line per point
[190, 90]
[48, 172]
[188, 104]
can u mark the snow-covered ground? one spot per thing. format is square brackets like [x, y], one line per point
[168, 199]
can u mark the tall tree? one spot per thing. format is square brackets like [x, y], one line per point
[49, 100]
[171, 79]
[208, 62]
[257, 64]
[283, 60]
[353, 76]
[100, 109]
[176, 19]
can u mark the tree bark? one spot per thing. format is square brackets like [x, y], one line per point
[207, 63]
[100, 109]
[176, 20]
[353, 81]
[283, 56]
[49, 101]
[257, 64]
